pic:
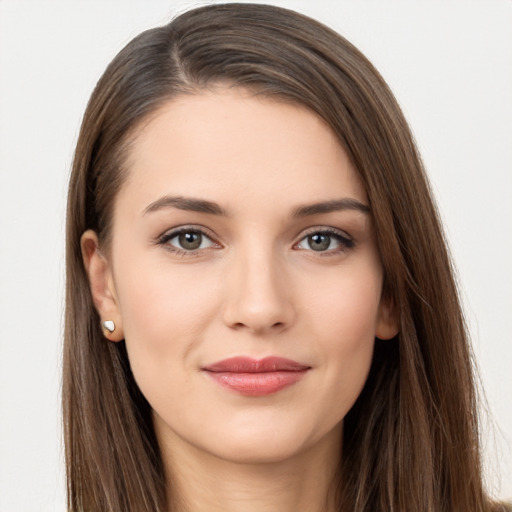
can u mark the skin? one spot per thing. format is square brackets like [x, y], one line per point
[255, 287]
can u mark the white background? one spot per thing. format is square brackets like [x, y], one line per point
[448, 62]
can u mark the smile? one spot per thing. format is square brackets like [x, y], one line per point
[253, 377]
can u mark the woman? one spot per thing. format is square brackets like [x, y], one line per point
[261, 312]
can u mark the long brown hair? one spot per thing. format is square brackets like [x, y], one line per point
[411, 440]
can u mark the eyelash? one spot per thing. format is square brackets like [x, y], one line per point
[345, 241]
[166, 237]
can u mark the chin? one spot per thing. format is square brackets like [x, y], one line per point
[265, 450]
[267, 445]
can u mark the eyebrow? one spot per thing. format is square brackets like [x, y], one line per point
[334, 205]
[186, 203]
[204, 206]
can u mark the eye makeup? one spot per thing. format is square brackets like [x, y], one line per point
[187, 241]
[193, 240]
[325, 241]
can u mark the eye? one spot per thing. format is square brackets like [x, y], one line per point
[326, 240]
[186, 240]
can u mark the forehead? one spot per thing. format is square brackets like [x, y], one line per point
[231, 146]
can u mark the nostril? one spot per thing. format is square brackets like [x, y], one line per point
[276, 326]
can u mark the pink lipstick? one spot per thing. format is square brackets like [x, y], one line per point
[252, 377]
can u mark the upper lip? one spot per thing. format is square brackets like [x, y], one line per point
[249, 365]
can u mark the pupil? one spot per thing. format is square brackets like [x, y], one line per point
[190, 241]
[319, 242]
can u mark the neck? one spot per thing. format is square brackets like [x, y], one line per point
[304, 482]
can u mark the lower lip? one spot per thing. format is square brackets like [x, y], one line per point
[257, 384]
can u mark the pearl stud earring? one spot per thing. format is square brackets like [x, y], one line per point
[109, 326]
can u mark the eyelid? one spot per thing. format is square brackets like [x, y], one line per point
[327, 230]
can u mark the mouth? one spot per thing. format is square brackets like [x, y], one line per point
[252, 377]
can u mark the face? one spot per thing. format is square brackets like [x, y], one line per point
[244, 276]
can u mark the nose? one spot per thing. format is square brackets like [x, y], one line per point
[259, 298]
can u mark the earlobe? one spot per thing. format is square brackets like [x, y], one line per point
[102, 286]
[388, 324]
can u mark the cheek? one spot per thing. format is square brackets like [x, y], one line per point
[165, 319]
[158, 299]
[346, 307]
[165, 314]
[344, 318]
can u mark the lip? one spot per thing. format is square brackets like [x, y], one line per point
[256, 377]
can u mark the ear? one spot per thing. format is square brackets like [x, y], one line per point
[388, 324]
[102, 286]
